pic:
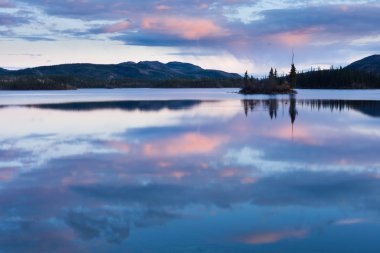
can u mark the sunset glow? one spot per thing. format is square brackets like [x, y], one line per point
[229, 35]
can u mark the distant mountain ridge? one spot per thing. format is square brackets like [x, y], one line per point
[144, 70]
[370, 64]
[362, 74]
[3, 71]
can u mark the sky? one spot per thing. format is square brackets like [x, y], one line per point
[231, 35]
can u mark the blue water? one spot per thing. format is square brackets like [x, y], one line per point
[96, 95]
[189, 170]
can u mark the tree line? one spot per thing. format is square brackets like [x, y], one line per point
[337, 78]
[333, 78]
[68, 82]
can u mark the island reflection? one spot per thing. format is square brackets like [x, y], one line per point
[209, 177]
[122, 105]
[273, 105]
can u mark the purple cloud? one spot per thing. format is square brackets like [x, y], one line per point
[9, 20]
[249, 30]
[6, 4]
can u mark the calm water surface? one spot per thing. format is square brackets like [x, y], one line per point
[189, 171]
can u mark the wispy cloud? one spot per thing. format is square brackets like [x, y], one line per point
[275, 236]
[250, 30]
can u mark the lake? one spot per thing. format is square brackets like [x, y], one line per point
[189, 170]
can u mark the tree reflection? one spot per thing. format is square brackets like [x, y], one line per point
[272, 106]
[293, 108]
[369, 108]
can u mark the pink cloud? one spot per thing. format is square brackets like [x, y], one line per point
[204, 165]
[229, 172]
[186, 144]
[163, 7]
[84, 177]
[6, 4]
[248, 180]
[240, 174]
[273, 237]
[164, 165]
[7, 174]
[186, 28]
[344, 8]
[203, 6]
[71, 180]
[117, 27]
[178, 174]
[298, 133]
[294, 38]
[119, 146]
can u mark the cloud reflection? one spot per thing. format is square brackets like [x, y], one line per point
[145, 179]
[273, 237]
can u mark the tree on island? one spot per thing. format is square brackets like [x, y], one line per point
[273, 78]
[271, 73]
[271, 84]
[293, 76]
[246, 79]
[252, 80]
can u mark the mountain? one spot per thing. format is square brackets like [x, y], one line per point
[369, 64]
[145, 70]
[145, 74]
[3, 71]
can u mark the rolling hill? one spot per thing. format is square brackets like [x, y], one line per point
[3, 71]
[370, 64]
[145, 70]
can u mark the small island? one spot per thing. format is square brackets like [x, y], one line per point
[271, 85]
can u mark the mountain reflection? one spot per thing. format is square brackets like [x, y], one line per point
[273, 105]
[190, 176]
[122, 105]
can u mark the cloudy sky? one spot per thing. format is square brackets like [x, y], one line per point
[233, 35]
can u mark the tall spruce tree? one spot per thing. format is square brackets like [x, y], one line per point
[246, 79]
[271, 73]
[293, 74]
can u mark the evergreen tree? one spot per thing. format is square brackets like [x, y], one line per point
[293, 76]
[271, 73]
[246, 79]
[252, 80]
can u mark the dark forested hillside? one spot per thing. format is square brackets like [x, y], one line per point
[123, 75]
[3, 71]
[128, 70]
[338, 79]
[363, 74]
[67, 82]
[37, 83]
[369, 64]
